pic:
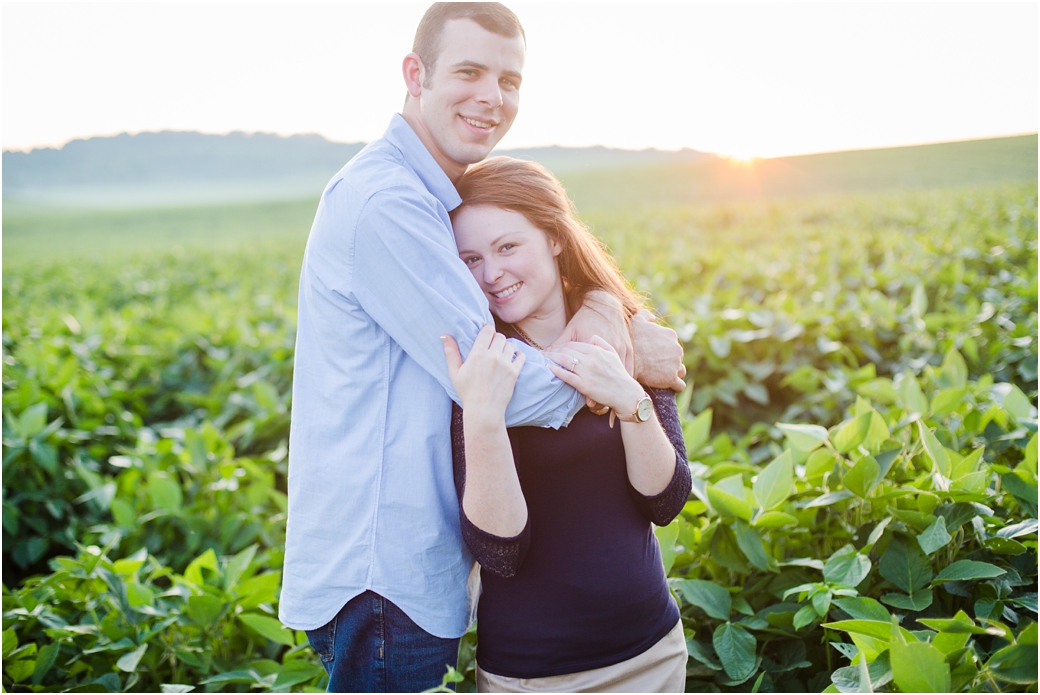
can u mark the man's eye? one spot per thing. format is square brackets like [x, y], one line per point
[509, 84]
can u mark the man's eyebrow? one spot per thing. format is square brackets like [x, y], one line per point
[480, 66]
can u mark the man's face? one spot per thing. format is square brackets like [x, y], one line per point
[472, 96]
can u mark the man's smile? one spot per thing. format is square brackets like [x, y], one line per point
[483, 125]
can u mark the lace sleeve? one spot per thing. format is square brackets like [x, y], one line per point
[499, 556]
[666, 505]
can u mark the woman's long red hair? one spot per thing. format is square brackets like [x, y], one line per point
[529, 189]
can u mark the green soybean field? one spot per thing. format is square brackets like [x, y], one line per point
[860, 419]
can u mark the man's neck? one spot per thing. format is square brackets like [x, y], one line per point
[452, 169]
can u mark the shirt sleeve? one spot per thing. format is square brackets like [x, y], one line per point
[498, 555]
[407, 275]
[661, 508]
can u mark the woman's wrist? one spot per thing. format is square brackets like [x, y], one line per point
[629, 398]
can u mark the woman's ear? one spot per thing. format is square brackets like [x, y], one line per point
[557, 249]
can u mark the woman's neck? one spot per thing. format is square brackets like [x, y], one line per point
[545, 326]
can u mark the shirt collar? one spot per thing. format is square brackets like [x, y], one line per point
[400, 134]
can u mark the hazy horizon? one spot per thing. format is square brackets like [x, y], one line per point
[526, 147]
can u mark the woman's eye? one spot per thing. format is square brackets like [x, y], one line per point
[471, 260]
[507, 247]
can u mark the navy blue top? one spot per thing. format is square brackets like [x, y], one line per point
[583, 585]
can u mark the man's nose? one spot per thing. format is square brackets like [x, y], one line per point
[490, 93]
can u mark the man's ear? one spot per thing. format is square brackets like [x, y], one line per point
[414, 74]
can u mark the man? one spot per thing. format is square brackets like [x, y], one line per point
[375, 566]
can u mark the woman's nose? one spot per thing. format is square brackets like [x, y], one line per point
[492, 272]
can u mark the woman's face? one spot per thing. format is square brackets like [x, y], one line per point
[513, 261]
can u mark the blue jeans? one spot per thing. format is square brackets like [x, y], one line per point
[371, 646]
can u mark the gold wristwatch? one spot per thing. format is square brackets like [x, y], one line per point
[644, 408]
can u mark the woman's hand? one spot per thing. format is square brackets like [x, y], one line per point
[596, 371]
[485, 381]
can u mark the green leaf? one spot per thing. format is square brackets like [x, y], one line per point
[751, 545]
[697, 432]
[1014, 401]
[954, 370]
[205, 609]
[918, 667]
[773, 485]
[238, 565]
[934, 537]
[862, 477]
[848, 569]
[918, 301]
[176, 688]
[966, 570]
[771, 520]
[164, 493]
[10, 641]
[44, 661]
[905, 566]
[851, 434]
[936, 452]
[32, 421]
[128, 662]
[1015, 664]
[959, 623]
[208, 561]
[806, 615]
[917, 601]
[666, 537]
[863, 608]
[296, 672]
[804, 437]
[820, 461]
[877, 629]
[703, 653]
[1025, 492]
[723, 500]
[708, 596]
[735, 648]
[947, 401]
[912, 396]
[267, 627]
[848, 679]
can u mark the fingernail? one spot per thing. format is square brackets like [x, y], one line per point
[444, 338]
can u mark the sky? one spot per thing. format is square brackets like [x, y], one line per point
[741, 79]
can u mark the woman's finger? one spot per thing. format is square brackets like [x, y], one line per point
[567, 377]
[452, 355]
[518, 360]
[484, 337]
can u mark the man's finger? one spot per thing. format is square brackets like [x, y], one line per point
[452, 355]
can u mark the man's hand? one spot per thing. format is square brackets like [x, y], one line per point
[658, 354]
[601, 315]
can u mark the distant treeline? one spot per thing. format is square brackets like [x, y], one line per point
[190, 157]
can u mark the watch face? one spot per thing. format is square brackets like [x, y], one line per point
[643, 410]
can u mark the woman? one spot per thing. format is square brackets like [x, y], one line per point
[574, 595]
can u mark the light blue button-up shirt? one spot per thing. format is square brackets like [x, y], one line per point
[372, 501]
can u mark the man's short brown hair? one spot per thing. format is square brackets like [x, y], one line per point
[492, 16]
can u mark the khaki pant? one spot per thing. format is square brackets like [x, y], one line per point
[660, 669]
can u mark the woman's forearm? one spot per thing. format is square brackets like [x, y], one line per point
[493, 500]
[649, 455]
